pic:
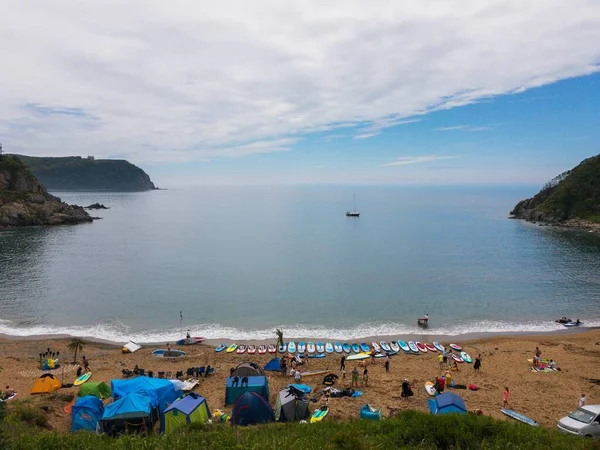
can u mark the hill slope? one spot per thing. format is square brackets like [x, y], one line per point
[24, 201]
[571, 196]
[74, 173]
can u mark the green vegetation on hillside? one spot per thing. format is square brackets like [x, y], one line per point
[409, 430]
[77, 173]
[572, 194]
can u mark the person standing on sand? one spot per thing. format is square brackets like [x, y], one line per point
[85, 363]
[365, 377]
[354, 377]
[477, 364]
[441, 361]
[283, 366]
[406, 391]
[343, 363]
[506, 396]
[305, 358]
[582, 401]
[387, 362]
[168, 347]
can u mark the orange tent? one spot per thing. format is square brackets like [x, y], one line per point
[45, 384]
[69, 407]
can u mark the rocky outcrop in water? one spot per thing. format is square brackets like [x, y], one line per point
[24, 201]
[96, 206]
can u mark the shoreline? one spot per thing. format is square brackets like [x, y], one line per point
[423, 337]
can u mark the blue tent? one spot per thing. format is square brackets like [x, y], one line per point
[447, 403]
[86, 412]
[161, 391]
[273, 365]
[250, 408]
[135, 405]
[255, 384]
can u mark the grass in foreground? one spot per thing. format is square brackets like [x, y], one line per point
[409, 430]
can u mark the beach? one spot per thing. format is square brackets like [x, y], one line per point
[545, 397]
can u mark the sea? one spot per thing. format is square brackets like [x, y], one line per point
[238, 262]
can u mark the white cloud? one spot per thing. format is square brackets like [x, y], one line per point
[191, 80]
[465, 128]
[407, 160]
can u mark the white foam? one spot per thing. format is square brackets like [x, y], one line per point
[119, 332]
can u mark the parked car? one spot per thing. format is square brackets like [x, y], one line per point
[584, 421]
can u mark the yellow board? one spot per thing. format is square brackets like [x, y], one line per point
[231, 348]
[82, 379]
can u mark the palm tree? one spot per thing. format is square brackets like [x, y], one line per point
[76, 345]
[279, 334]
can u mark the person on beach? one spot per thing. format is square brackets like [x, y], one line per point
[354, 377]
[343, 372]
[448, 378]
[343, 363]
[365, 377]
[582, 400]
[373, 357]
[305, 358]
[283, 367]
[387, 362]
[477, 363]
[441, 361]
[455, 366]
[506, 397]
[187, 335]
[445, 358]
[406, 390]
[168, 347]
[85, 364]
[297, 376]
[8, 392]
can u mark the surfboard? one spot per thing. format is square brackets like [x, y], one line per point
[82, 379]
[314, 373]
[346, 347]
[364, 347]
[317, 355]
[384, 354]
[271, 349]
[421, 347]
[319, 415]
[9, 398]
[439, 346]
[456, 358]
[456, 347]
[520, 417]
[413, 347]
[429, 389]
[301, 347]
[262, 349]
[384, 345]
[292, 347]
[572, 324]
[251, 349]
[404, 346]
[231, 348]
[165, 353]
[358, 356]
[241, 349]
[328, 347]
[220, 348]
[430, 347]
[283, 348]
[338, 347]
[394, 346]
[466, 357]
[320, 347]
[355, 348]
[376, 347]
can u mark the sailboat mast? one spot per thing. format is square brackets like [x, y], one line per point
[354, 201]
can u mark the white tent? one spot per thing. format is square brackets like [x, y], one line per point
[131, 347]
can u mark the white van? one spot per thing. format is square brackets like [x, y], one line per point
[584, 421]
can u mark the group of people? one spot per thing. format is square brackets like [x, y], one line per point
[84, 366]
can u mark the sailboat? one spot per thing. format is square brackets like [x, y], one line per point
[354, 212]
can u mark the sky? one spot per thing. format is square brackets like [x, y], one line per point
[269, 92]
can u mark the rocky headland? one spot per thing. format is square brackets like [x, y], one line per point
[570, 200]
[24, 201]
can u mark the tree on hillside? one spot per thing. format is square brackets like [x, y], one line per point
[279, 334]
[76, 345]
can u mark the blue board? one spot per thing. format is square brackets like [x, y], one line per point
[301, 347]
[282, 348]
[320, 347]
[365, 347]
[221, 347]
[404, 346]
[355, 348]
[292, 347]
[317, 355]
[346, 347]
[520, 417]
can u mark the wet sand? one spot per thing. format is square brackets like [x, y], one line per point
[545, 397]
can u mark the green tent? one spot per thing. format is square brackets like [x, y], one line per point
[190, 409]
[97, 389]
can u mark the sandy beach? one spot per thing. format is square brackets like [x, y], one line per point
[545, 397]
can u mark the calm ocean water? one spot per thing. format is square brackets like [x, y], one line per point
[241, 261]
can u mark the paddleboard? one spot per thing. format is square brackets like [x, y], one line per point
[572, 324]
[430, 348]
[271, 349]
[355, 348]
[394, 346]
[384, 354]
[318, 415]
[413, 347]
[338, 347]
[251, 349]
[376, 347]
[439, 346]
[282, 348]
[346, 347]
[429, 389]
[520, 417]
[358, 356]
[9, 398]
[314, 373]
[82, 379]
[456, 347]
[320, 347]
[456, 358]
[241, 349]
[317, 355]
[163, 353]
[364, 347]
[328, 347]
[231, 348]
[404, 346]
[466, 357]
[301, 347]
[310, 348]
[421, 347]
[262, 349]
[384, 345]
[292, 347]
[220, 348]
[190, 341]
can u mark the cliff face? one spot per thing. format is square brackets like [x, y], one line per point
[24, 201]
[74, 173]
[572, 198]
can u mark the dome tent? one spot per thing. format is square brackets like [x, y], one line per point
[447, 403]
[250, 408]
[98, 389]
[248, 369]
[189, 409]
[291, 405]
[45, 384]
[85, 413]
